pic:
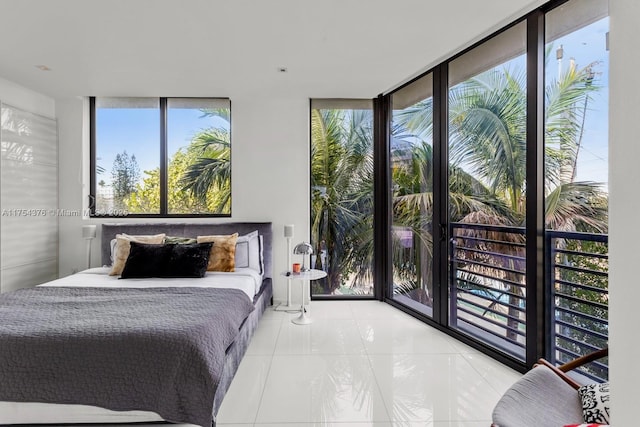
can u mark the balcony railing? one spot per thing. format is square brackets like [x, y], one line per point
[577, 282]
[488, 295]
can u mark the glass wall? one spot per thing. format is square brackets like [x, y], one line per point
[342, 196]
[478, 161]
[411, 159]
[576, 142]
[494, 186]
[487, 191]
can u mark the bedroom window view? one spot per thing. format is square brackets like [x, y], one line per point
[487, 187]
[127, 144]
[411, 159]
[130, 171]
[487, 191]
[576, 141]
[342, 196]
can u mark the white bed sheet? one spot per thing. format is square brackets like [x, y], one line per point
[39, 413]
[245, 279]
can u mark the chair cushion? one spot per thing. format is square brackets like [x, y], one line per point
[539, 398]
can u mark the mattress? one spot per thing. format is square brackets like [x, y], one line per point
[245, 279]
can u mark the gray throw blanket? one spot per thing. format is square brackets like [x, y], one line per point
[159, 349]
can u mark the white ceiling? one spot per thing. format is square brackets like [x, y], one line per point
[331, 48]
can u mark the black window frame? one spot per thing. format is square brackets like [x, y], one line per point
[538, 310]
[164, 162]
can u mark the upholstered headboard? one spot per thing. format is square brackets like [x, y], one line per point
[109, 232]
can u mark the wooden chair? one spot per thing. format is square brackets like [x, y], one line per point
[544, 396]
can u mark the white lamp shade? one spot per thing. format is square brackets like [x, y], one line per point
[89, 231]
[288, 230]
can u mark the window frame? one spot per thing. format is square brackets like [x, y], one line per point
[538, 309]
[343, 104]
[164, 164]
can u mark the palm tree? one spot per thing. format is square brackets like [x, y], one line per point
[488, 155]
[342, 194]
[208, 178]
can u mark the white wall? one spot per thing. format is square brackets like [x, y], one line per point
[624, 211]
[270, 175]
[26, 99]
[28, 185]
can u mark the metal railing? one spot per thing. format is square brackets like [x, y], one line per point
[577, 282]
[487, 294]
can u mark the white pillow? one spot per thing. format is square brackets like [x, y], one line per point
[113, 249]
[249, 252]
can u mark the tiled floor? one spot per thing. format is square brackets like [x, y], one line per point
[360, 364]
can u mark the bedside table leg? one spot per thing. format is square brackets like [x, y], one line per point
[303, 319]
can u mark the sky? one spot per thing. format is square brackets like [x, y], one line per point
[588, 45]
[137, 131]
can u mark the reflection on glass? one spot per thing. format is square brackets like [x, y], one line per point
[127, 156]
[487, 191]
[342, 196]
[199, 156]
[411, 157]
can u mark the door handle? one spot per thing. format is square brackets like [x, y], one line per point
[443, 233]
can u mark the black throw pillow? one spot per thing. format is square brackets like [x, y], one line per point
[188, 260]
[172, 260]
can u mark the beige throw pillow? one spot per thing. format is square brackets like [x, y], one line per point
[123, 246]
[223, 252]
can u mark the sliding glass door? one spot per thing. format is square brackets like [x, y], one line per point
[497, 164]
[487, 191]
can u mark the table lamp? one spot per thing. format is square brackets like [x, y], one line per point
[303, 249]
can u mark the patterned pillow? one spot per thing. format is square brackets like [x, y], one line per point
[123, 246]
[595, 403]
[223, 252]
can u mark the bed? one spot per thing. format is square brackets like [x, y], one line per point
[180, 312]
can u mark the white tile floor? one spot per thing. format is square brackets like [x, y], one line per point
[360, 364]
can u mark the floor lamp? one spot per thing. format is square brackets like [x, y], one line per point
[89, 233]
[288, 234]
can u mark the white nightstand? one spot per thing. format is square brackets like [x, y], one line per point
[305, 277]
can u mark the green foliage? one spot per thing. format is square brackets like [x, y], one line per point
[146, 197]
[342, 196]
[487, 185]
[124, 176]
[198, 176]
[586, 280]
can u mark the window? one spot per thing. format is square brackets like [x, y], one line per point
[488, 191]
[411, 161]
[342, 196]
[495, 163]
[160, 156]
[576, 128]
